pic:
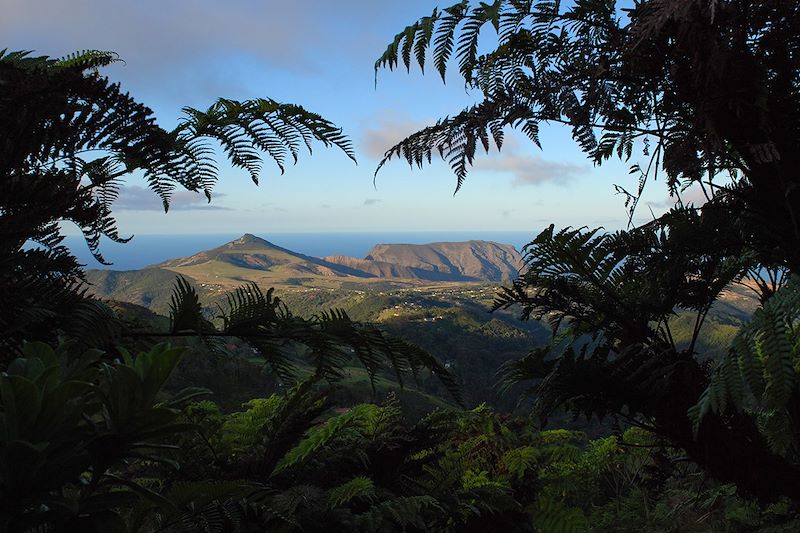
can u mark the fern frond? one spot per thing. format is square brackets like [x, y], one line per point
[203, 506]
[88, 59]
[759, 374]
[352, 420]
[250, 308]
[358, 487]
[519, 460]
[245, 127]
[398, 513]
[185, 311]
[94, 322]
[554, 516]
[456, 139]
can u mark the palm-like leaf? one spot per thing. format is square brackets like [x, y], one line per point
[54, 112]
[758, 375]
[609, 299]
[621, 81]
[329, 340]
[69, 419]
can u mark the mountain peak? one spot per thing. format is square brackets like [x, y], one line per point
[249, 239]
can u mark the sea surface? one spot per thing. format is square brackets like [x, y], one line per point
[146, 250]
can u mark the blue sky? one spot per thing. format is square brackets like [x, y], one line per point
[319, 54]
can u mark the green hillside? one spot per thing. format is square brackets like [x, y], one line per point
[148, 287]
[449, 320]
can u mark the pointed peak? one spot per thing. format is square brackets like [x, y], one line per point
[249, 239]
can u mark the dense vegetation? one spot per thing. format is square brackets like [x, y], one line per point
[707, 93]
[95, 437]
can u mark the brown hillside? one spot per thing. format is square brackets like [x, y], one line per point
[471, 260]
[254, 253]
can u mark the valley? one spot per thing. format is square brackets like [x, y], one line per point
[436, 296]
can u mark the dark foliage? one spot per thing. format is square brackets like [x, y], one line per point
[326, 341]
[707, 93]
[609, 299]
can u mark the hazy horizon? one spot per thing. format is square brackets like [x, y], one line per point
[148, 249]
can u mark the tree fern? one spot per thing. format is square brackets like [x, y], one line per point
[759, 374]
[328, 340]
[57, 113]
[358, 487]
[558, 518]
[609, 299]
[590, 67]
[353, 420]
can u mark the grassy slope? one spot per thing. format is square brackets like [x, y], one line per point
[449, 320]
[150, 287]
[241, 375]
[452, 323]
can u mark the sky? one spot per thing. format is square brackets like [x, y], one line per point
[319, 54]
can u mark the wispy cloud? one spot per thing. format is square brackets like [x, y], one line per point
[371, 201]
[136, 198]
[692, 196]
[386, 130]
[176, 29]
[530, 170]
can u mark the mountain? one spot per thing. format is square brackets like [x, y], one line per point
[251, 258]
[255, 253]
[452, 261]
[379, 269]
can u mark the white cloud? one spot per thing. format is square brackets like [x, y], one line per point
[693, 195]
[136, 198]
[530, 170]
[386, 130]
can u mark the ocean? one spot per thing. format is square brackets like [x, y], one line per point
[146, 250]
